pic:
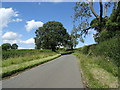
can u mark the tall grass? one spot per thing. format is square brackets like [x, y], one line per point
[101, 59]
[26, 58]
[21, 53]
[16, 60]
[98, 72]
[9, 70]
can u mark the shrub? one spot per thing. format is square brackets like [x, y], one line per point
[86, 49]
[109, 48]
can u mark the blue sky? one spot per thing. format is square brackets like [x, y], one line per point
[22, 19]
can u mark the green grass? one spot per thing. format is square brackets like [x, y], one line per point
[17, 60]
[98, 72]
[21, 53]
[11, 69]
[26, 58]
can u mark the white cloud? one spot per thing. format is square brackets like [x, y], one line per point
[29, 41]
[17, 20]
[33, 24]
[6, 15]
[24, 48]
[11, 36]
[21, 48]
[10, 41]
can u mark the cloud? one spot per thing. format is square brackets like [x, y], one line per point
[21, 48]
[6, 15]
[11, 36]
[24, 48]
[17, 20]
[10, 41]
[33, 24]
[29, 41]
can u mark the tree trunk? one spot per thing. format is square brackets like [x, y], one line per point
[101, 13]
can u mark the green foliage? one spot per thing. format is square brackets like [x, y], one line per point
[20, 53]
[106, 27]
[111, 27]
[115, 16]
[110, 48]
[14, 46]
[85, 49]
[106, 35]
[51, 36]
[6, 46]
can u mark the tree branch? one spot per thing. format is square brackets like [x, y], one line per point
[85, 31]
[93, 11]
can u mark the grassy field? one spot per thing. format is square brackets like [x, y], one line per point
[20, 60]
[98, 72]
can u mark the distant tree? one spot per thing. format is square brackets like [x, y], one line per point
[51, 36]
[6, 46]
[14, 46]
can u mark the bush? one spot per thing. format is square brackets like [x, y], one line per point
[110, 48]
[86, 49]
[106, 35]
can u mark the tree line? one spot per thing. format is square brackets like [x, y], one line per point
[8, 46]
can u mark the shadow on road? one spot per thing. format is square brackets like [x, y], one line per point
[66, 53]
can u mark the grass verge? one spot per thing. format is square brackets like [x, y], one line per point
[9, 70]
[26, 58]
[98, 72]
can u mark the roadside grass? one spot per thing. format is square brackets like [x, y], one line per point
[98, 72]
[26, 58]
[21, 53]
[13, 68]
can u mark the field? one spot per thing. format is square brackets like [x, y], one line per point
[98, 72]
[17, 60]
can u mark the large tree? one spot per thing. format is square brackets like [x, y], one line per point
[51, 35]
[84, 11]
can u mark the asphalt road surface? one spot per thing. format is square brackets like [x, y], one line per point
[62, 72]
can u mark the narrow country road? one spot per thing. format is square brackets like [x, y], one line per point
[60, 73]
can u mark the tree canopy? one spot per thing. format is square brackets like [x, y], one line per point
[84, 11]
[6, 46]
[51, 35]
[14, 46]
